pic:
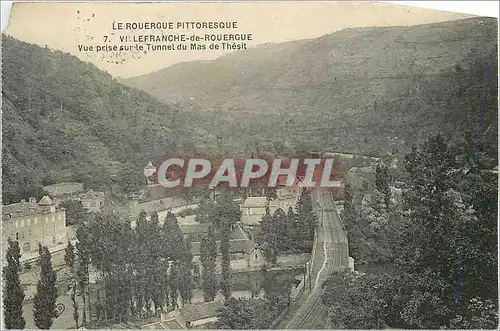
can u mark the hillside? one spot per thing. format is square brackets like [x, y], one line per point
[342, 70]
[65, 120]
[332, 92]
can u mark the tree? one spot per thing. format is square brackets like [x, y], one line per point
[271, 193]
[173, 283]
[305, 214]
[44, 303]
[382, 182]
[173, 238]
[227, 213]
[208, 261]
[13, 295]
[432, 230]
[355, 302]
[478, 314]
[75, 214]
[186, 277]
[240, 314]
[348, 213]
[69, 256]
[268, 239]
[83, 249]
[76, 316]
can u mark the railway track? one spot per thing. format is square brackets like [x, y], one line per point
[335, 248]
[310, 320]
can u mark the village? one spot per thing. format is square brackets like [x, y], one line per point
[48, 222]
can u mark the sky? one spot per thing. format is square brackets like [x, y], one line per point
[90, 23]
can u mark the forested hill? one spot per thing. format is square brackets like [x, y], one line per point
[359, 90]
[64, 119]
[340, 72]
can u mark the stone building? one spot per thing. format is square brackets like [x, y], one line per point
[64, 191]
[254, 208]
[31, 223]
[92, 201]
[244, 252]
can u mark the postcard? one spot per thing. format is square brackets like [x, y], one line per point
[249, 165]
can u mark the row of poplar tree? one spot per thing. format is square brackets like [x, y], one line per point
[150, 268]
[291, 232]
[44, 303]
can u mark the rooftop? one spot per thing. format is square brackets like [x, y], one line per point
[24, 207]
[256, 202]
[92, 195]
[236, 246]
[45, 201]
[195, 312]
[15, 209]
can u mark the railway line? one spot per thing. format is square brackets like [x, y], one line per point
[336, 254]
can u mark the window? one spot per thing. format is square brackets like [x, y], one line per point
[36, 220]
[256, 256]
[28, 222]
[17, 235]
[22, 235]
[29, 233]
[17, 224]
[53, 239]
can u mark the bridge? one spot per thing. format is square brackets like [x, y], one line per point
[309, 312]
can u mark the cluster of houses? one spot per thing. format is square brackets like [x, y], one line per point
[31, 222]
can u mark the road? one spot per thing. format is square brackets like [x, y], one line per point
[335, 258]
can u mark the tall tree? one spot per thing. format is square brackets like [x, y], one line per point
[208, 260]
[69, 256]
[348, 212]
[185, 274]
[75, 214]
[76, 315]
[305, 213]
[173, 238]
[244, 314]
[173, 283]
[44, 303]
[226, 214]
[83, 247]
[382, 182]
[13, 295]
[268, 239]
[432, 230]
